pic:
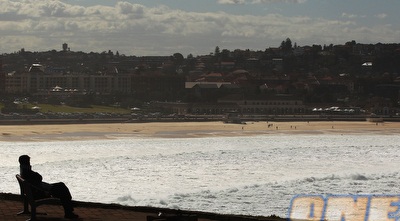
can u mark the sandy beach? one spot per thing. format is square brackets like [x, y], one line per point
[186, 129]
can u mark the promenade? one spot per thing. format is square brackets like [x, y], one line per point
[11, 204]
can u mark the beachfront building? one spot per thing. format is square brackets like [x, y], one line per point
[213, 108]
[278, 105]
[40, 82]
[275, 105]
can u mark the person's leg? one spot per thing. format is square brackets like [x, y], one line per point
[61, 191]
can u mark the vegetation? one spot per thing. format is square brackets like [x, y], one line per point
[50, 108]
[44, 108]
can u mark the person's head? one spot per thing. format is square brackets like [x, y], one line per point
[24, 160]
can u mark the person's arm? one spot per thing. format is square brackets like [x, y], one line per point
[33, 177]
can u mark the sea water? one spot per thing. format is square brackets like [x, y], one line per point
[254, 175]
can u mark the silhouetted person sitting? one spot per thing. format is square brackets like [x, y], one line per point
[58, 190]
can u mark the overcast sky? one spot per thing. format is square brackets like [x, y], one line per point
[164, 27]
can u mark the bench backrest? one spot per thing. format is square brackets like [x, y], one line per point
[26, 189]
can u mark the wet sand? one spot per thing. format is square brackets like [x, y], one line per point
[187, 129]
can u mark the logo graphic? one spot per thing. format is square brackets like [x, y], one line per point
[345, 207]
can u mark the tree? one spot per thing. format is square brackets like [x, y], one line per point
[217, 51]
[225, 54]
[178, 60]
[286, 46]
[282, 45]
[351, 43]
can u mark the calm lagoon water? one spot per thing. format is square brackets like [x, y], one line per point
[238, 175]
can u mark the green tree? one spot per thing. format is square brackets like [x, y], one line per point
[178, 58]
[217, 51]
[286, 46]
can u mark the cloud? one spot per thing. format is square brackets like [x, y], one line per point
[231, 2]
[160, 30]
[278, 1]
[346, 15]
[352, 16]
[126, 8]
[381, 16]
[240, 2]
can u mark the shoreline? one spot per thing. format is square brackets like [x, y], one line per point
[62, 132]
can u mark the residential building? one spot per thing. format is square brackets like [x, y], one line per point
[39, 82]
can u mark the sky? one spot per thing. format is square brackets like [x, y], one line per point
[165, 27]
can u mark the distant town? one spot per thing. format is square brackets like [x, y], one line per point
[352, 79]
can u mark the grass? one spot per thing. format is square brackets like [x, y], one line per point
[44, 108]
[93, 109]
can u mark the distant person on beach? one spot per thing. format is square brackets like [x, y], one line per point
[58, 190]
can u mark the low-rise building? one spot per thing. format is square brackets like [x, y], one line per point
[37, 81]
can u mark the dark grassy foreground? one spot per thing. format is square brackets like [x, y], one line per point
[144, 209]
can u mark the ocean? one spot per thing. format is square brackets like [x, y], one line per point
[254, 175]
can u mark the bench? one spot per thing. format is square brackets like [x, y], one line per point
[27, 190]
